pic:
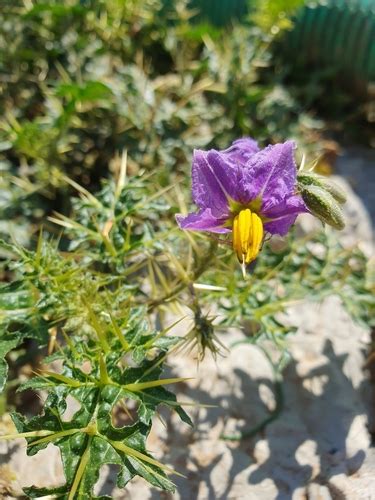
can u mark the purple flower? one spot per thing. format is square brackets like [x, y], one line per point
[246, 191]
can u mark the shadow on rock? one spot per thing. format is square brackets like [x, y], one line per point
[314, 438]
[316, 413]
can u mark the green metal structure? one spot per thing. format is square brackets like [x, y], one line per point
[338, 33]
[220, 12]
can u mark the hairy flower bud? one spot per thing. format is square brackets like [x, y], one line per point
[312, 179]
[323, 205]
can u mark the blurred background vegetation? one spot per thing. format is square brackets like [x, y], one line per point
[82, 80]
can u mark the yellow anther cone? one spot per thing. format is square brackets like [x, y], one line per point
[247, 236]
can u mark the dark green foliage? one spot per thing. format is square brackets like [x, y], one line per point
[18, 321]
[84, 81]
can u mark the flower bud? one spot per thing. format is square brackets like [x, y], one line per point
[323, 205]
[312, 179]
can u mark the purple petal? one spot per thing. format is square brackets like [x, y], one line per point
[284, 214]
[243, 174]
[280, 226]
[241, 150]
[230, 175]
[202, 221]
[288, 206]
[271, 173]
[209, 184]
[218, 175]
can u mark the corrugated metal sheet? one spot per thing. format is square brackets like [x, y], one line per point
[339, 33]
[336, 33]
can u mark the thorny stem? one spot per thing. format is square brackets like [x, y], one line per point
[201, 268]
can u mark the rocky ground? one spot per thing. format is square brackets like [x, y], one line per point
[318, 448]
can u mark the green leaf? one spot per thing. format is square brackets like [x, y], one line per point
[8, 341]
[89, 441]
[90, 91]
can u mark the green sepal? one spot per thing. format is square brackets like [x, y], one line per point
[323, 205]
[312, 179]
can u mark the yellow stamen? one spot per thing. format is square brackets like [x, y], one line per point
[247, 236]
